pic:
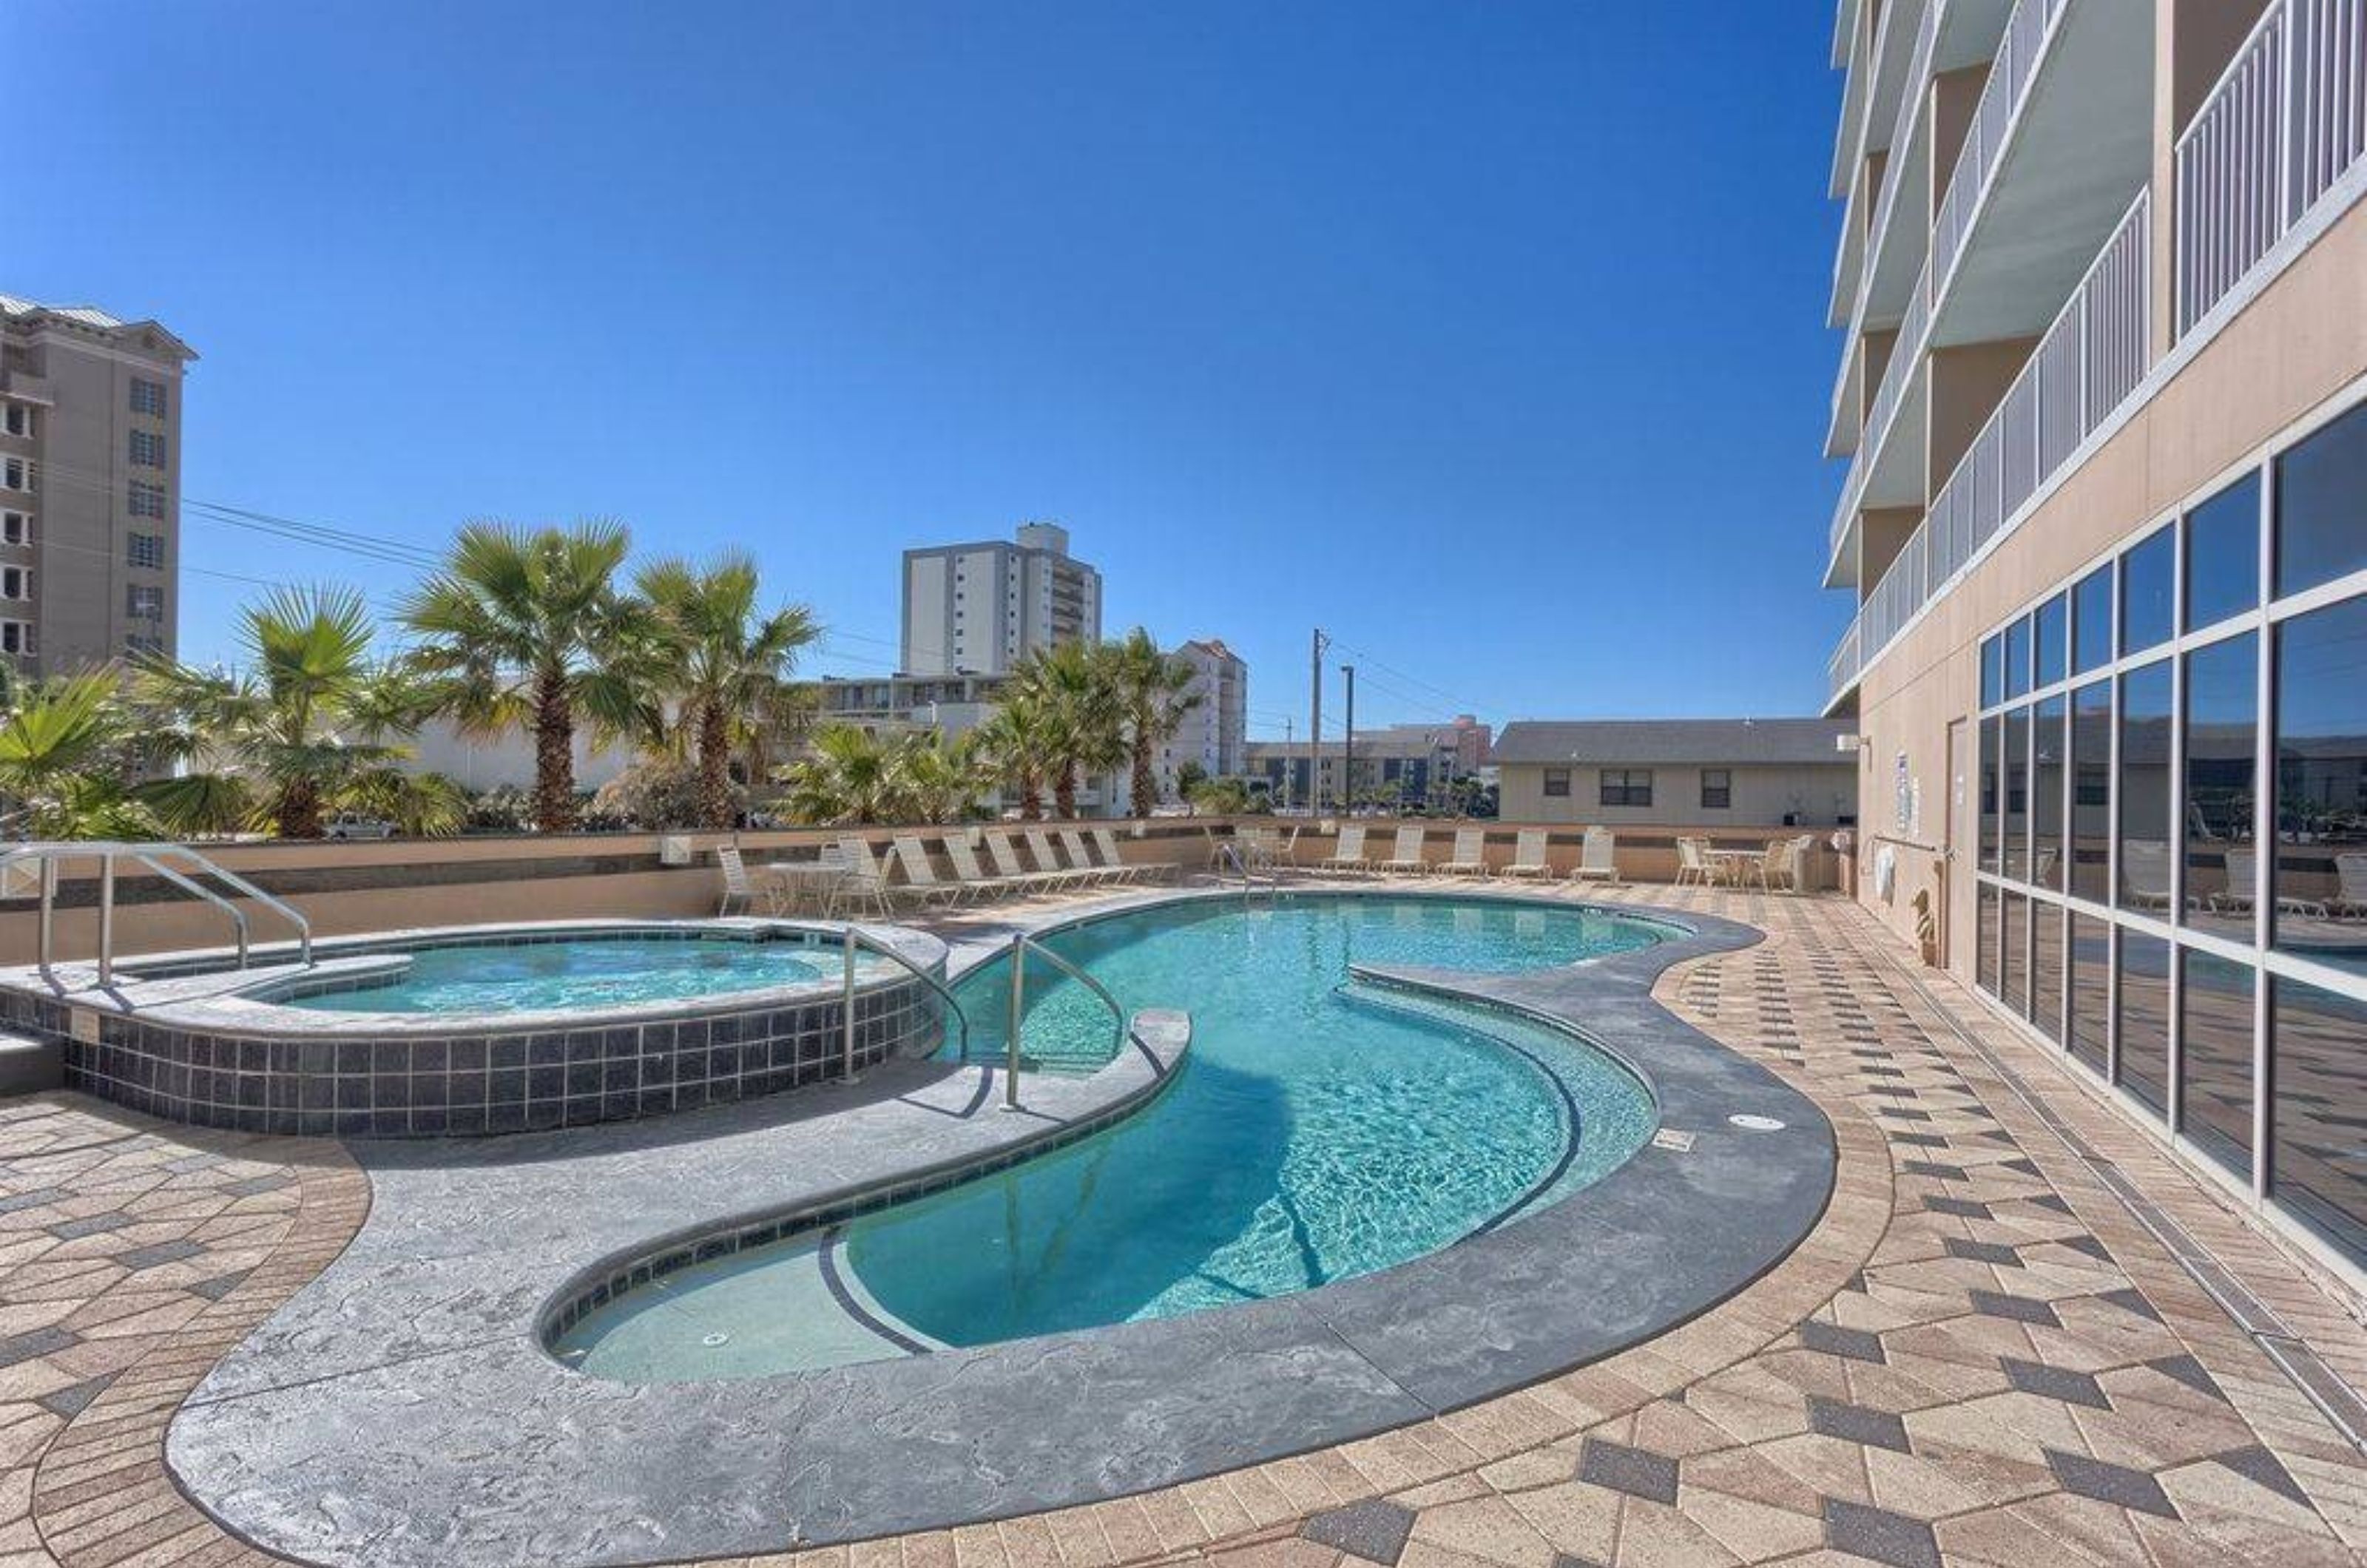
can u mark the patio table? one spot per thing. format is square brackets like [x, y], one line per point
[805, 883]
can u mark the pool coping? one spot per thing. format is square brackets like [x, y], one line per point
[443, 1446]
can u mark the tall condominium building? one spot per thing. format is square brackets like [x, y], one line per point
[1215, 733]
[90, 485]
[2102, 278]
[980, 609]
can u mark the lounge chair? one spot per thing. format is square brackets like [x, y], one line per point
[2238, 897]
[1470, 856]
[1348, 853]
[2144, 873]
[1081, 856]
[861, 881]
[1692, 864]
[1529, 854]
[2350, 902]
[1007, 864]
[922, 884]
[979, 881]
[1048, 859]
[1597, 861]
[1148, 870]
[738, 889]
[1406, 859]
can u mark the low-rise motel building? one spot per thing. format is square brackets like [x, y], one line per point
[2101, 290]
[1686, 773]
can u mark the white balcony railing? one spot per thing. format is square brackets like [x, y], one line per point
[2286, 120]
[2091, 358]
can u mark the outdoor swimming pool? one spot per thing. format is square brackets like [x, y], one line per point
[585, 973]
[1318, 1131]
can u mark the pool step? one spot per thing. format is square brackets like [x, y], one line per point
[29, 1066]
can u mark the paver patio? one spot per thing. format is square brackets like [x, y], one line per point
[1983, 1354]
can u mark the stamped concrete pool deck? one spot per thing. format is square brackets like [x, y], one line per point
[1982, 1353]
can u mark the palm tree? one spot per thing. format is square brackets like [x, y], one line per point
[1154, 693]
[852, 776]
[943, 778]
[1015, 745]
[64, 749]
[1072, 687]
[525, 630]
[723, 664]
[301, 731]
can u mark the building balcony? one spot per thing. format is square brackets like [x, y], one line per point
[25, 388]
[1898, 62]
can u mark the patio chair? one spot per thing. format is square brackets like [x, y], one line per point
[1470, 856]
[1105, 840]
[2238, 897]
[1081, 856]
[2144, 872]
[1528, 854]
[1797, 858]
[1285, 852]
[1348, 853]
[1598, 860]
[1048, 859]
[1693, 865]
[1405, 859]
[738, 889]
[2350, 902]
[922, 884]
[979, 881]
[1007, 864]
[862, 880]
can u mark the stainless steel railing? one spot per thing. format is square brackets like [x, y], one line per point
[47, 856]
[853, 941]
[1022, 944]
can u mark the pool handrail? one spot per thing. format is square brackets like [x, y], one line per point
[45, 855]
[855, 939]
[1021, 945]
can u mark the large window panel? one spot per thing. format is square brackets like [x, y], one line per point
[1991, 802]
[2144, 1019]
[2091, 991]
[2149, 579]
[2017, 657]
[2054, 646]
[2091, 621]
[2046, 973]
[2221, 772]
[2322, 505]
[2091, 838]
[2145, 792]
[2222, 555]
[2317, 1165]
[2013, 954]
[2016, 794]
[1993, 672]
[2047, 779]
[1984, 935]
[2215, 1058]
[2321, 747]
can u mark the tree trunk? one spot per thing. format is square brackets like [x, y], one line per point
[1030, 798]
[715, 767]
[298, 812]
[1064, 795]
[554, 754]
[1146, 787]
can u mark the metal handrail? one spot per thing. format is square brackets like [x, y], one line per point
[1232, 852]
[151, 855]
[1021, 945]
[852, 940]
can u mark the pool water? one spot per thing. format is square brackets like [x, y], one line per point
[1317, 1131]
[591, 972]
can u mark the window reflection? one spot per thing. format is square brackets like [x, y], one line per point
[2144, 790]
[2013, 954]
[2222, 555]
[2222, 700]
[1985, 939]
[2318, 1160]
[2322, 505]
[2016, 794]
[2215, 1058]
[1993, 672]
[2091, 621]
[2321, 742]
[2145, 1017]
[2091, 991]
[2092, 791]
[2047, 764]
[1988, 785]
[2017, 657]
[2148, 574]
[2054, 639]
[2046, 977]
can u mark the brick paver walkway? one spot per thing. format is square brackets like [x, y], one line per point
[1981, 1356]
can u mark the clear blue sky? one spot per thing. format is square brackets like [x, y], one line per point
[1486, 336]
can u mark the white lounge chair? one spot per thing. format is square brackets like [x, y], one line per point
[1348, 853]
[737, 888]
[1007, 864]
[1081, 856]
[1470, 856]
[1597, 861]
[1146, 871]
[1405, 859]
[1529, 854]
[1692, 864]
[980, 882]
[922, 884]
[2144, 873]
[2350, 901]
[1048, 859]
[2238, 897]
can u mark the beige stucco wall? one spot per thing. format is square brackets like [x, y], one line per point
[1819, 795]
[2299, 344]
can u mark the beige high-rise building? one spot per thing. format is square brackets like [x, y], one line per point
[90, 486]
[980, 609]
[2102, 283]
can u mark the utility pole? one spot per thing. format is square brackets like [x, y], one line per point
[1286, 767]
[1348, 740]
[1314, 727]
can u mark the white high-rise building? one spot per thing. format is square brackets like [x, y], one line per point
[1215, 733]
[980, 609]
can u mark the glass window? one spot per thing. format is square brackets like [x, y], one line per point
[2144, 790]
[2054, 621]
[1985, 938]
[2321, 741]
[2091, 621]
[1626, 787]
[148, 397]
[146, 499]
[2148, 574]
[2013, 954]
[2046, 975]
[2319, 1162]
[145, 550]
[2016, 794]
[2215, 1058]
[1557, 783]
[2088, 845]
[2221, 705]
[1993, 671]
[2017, 657]
[2223, 553]
[2144, 1060]
[1990, 729]
[14, 529]
[2322, 505]
[2091, 991]
[2047, 777]
[1717, 789]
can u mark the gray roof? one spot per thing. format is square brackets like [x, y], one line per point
[1643, 742]
[88, 315]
